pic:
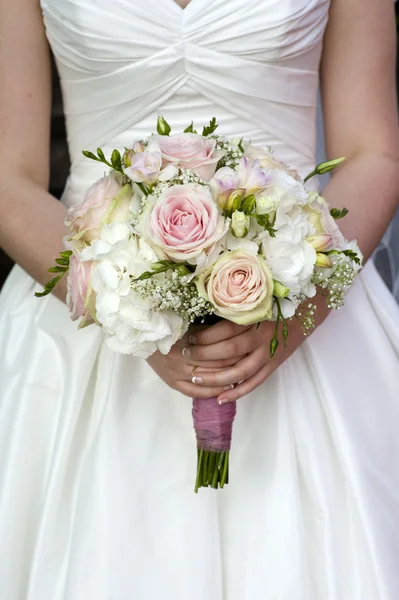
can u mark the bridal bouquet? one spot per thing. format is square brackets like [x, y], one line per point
[190, 227]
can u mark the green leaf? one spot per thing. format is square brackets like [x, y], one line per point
[240, 146]
[58, 269]
[190, 128]
[66, 253]
[208, 130]
[64, 262]
[337, 213]
[264, 221]
[352, 255]
[163, 128]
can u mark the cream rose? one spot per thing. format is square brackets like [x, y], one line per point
[104, 203]
[239, 286]
[189, 151]
[182, 222]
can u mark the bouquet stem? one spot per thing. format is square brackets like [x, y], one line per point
[213, 426]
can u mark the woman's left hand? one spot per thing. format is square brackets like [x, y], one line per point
[226, 340]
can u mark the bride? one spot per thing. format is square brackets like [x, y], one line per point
[97, 452]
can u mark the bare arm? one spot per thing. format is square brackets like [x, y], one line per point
[360, 112]
[359, 100]
[31, 220]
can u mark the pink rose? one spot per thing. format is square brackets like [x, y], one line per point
[239, 286]
[80, 296]
[104, 203]
[182, 222]
[252, 177]
[267, 160]
[223, 183]
[189, 151]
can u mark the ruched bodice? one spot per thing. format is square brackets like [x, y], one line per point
[253, 65]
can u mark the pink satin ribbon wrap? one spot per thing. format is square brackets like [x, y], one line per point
[213, 424]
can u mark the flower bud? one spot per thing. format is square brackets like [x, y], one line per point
[138, 147]
[273, 347]
[320, 241]
[240, 224]
[163, 128]
[280, 290]
[322, 260]
[248, 204]
[127, 158]
[235, 199]
[183, 270]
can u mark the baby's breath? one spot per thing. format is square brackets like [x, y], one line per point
[184, 177]
[338, 282]
[232, 155]
[305, 315]
[174, 292]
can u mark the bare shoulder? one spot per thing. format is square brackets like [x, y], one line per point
[25, 91]
[358, 77]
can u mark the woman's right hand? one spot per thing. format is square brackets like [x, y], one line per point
[177, 371]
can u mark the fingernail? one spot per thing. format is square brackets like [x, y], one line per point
[192, 339]
[196, 379]
[186, 352]
[223, 401]
[229, 387]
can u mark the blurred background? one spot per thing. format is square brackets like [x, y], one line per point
[386, 256]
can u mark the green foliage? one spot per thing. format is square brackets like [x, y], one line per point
[209, 129]
[190, 128]
[61, 268]
[161, 267]
[264, 221]
[337, 213]
[116, 160]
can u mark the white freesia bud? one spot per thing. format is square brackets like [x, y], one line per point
[320, 241]
[240, 224]
[280, 290]
[322, 260]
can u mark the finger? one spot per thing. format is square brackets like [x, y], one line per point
[198, 391]
[241, 371]
[212, 364]
[239, 345]
[245, 387]
[217, 333]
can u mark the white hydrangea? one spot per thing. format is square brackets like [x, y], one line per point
[292, 264]
[129, 322]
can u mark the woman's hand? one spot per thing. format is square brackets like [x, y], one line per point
[252, 344]
[178, 369]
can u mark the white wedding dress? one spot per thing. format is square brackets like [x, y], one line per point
[97, 454]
